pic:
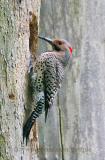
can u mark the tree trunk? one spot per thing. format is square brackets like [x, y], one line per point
[18, 19]
[76, 125]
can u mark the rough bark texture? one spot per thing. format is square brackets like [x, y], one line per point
[75, 129]
[18, 19]
[80, 129]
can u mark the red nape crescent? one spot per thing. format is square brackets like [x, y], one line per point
[71, 50]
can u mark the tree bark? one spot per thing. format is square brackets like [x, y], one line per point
[76, 124]
[18, 18]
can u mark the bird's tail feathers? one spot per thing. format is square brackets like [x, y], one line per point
[46, 113]
[27, 128]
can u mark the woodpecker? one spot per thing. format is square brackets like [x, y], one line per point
[46, 79]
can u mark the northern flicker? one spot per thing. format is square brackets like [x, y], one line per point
[46, 78]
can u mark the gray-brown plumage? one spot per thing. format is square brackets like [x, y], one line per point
[46, 79]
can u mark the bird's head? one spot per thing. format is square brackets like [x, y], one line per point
[59, 44]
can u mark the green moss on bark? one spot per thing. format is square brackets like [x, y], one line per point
[2, 148]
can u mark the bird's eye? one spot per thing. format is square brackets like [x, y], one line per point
[60, 43]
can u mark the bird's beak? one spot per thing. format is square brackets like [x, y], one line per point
[46, 39]
[50, 41]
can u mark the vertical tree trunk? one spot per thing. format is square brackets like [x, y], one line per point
[78, 134]
[18, 18]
